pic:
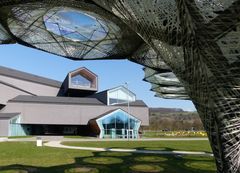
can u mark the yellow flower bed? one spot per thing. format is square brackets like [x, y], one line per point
[176, 134]
[186, 133]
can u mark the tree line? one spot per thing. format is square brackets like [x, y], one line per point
[173, 120]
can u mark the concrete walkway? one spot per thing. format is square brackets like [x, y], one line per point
[3, 139]
[57, 144]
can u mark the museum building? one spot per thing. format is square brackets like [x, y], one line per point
[34, 105]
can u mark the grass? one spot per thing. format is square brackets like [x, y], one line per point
[148, 145]
[24, 157]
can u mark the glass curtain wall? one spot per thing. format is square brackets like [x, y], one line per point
[118, 124]
[17, 129]
[120, 95]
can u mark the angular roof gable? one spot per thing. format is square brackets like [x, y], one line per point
[82, 68]
[115, 88]
[122, 87]
[28, 77]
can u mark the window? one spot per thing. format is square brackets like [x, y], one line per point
[80, 81]
[120, 95]
[113, 101]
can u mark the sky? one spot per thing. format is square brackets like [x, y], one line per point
[111, 73]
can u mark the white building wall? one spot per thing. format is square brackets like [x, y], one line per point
[4, 127]
[37, 113]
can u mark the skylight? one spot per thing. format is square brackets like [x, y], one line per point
[75, 25]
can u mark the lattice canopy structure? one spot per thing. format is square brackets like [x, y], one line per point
[80, 30]
[165, 84]
[190, 49]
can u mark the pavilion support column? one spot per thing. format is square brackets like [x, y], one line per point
[210, 125]
[222, 124]
[228, 130]
[212, 82]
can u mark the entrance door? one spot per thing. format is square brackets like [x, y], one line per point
[130, 134]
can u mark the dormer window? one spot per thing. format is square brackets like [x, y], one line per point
[83, 79]
[80, 81]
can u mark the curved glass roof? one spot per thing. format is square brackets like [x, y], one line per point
[74, 24]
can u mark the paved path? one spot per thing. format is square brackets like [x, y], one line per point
[57, 144]
[34, 138]
[3, 139]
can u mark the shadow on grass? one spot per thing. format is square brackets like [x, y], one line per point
[145, 145]
[119, 162]
[170, 149]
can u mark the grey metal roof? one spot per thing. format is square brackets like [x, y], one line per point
[56, 100]
[8, 115]
[83, 68]
[69, 100]
[28, 77]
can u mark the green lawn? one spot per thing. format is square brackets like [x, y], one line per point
[148, 145]
[22, 157]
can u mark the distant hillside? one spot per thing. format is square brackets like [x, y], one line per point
[165, 110]
[173, 119]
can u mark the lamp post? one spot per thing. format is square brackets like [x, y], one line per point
[128, 110]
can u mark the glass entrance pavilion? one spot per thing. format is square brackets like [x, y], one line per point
[117, 124]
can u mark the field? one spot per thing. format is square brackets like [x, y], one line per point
[23, 157]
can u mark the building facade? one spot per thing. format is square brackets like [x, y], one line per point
[33, 105]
